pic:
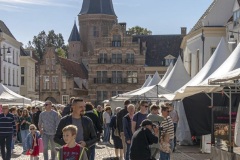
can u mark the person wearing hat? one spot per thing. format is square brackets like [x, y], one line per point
[141, 140]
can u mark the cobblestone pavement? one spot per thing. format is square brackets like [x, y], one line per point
[103, 152]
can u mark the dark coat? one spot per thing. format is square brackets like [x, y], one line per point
[141, 140]
[120, 116]
[96, 121]
[66, 110]
[35, 118]
[89, 133]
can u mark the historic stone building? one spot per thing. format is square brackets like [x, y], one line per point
[60, 78]
[116, 61]
[117, 65]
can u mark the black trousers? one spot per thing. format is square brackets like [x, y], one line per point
[6, 141]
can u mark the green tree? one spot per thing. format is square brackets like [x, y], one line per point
[137, 30]
[50, 40]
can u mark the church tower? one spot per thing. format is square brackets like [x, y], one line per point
[96, 19]
[74, 41]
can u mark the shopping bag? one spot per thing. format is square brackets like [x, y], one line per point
[40, 144]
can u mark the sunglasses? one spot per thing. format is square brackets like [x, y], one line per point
[32, 129]
[46, 104]
[4, 108]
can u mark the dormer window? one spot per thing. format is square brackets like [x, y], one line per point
[116, 42]
[169, 59]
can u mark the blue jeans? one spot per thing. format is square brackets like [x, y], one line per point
[92, 152]
[6, 141]
[164, 156]
[106, 137]
[46, 138]
[24, 134]
[127, 151]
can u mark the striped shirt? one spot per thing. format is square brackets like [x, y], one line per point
[168, 127]
[7, 124]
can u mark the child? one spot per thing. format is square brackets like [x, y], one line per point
[32, 142]
[72, 150]
[165, 149]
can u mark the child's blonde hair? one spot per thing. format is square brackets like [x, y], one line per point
[73, 129]
[32, 125]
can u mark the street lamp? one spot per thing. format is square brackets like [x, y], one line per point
[8, 52]
[203, 39]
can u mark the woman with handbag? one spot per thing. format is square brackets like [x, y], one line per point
[32, 142]
[118, 146]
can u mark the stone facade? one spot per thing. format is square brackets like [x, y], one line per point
[93, 27]
[116, 66]
[59, 79]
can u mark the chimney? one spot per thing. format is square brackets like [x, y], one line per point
[183, 31]
[123, 25]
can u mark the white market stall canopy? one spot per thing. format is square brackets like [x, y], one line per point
[9, 97]
[219, 56]
[233, 75]
[37, 103]
[177, 77]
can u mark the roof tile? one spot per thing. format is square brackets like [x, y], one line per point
[159, 46]
[74, 68]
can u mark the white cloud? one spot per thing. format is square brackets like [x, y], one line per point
[37, 2]
[14, 8]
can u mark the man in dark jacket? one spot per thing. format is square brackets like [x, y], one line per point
[67, 108]
[97, 126]
[35, 117]
[86, 135]
[141, 140]
[120, 116]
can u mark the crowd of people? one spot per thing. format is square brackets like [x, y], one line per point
[139, 132]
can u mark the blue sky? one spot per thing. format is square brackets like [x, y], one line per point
[26, 18]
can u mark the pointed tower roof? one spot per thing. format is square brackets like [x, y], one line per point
[97, 7]
[74, 34]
